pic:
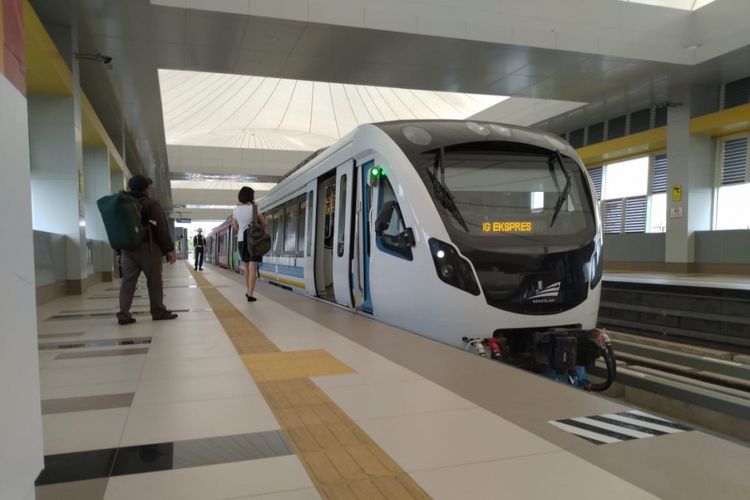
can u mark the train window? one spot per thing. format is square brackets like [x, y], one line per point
[291, 212]
[330, 214]
[270, 223]
[278, 231]
[302, 201]
[391, 239]
[342, 217]
[309, 222]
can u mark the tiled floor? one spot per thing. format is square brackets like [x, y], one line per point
[362, 426]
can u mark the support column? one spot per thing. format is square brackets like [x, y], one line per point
[21, 448]
[57, 180]
[117, 181]
[96, 174]
[690, 163]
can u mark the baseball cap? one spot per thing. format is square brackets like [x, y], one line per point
[139, 183]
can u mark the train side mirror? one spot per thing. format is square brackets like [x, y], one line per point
[384, 217]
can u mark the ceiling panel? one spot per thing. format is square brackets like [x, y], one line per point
[214, 109]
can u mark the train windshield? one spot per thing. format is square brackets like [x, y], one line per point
[524, 197]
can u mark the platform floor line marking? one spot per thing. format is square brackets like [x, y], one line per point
[342, 461]
[617, 427]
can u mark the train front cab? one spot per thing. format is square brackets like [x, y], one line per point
[379, 246]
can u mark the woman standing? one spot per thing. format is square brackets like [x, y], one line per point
[242, 215]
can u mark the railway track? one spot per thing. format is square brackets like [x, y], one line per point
[703, 386]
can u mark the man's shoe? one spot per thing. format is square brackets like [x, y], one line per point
[163, 315]
[125, 320]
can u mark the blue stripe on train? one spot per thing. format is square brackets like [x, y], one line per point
[296, 271]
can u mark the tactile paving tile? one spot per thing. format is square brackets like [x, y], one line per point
[293, 364]
[341, 459]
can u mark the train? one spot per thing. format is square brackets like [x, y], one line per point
[479, 235]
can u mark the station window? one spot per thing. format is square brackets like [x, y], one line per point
[658, 208]
[734, 185]
[630, 204]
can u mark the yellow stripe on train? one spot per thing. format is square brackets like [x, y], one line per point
[284, 281]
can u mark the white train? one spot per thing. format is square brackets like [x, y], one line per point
[455, 230]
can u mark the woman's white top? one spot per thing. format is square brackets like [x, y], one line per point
[243, 214]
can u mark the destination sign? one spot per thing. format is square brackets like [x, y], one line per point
[507, 227]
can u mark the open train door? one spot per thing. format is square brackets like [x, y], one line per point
[342, 253]
[309, 263]
[363, 246]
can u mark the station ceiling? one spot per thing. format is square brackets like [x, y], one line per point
[142, 38]
[674, 4]
[214, 109]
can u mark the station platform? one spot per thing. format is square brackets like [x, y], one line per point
[293, 398]
[718, 281]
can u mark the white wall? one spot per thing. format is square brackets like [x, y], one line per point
[21, 455]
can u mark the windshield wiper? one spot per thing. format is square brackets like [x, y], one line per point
[565, 190]
[442, 191]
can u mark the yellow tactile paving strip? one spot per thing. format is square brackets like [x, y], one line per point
[341, 459]
[293, 364]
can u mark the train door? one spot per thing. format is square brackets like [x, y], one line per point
[324, 236]
[309, 225]
[342, 252]
[364, 240]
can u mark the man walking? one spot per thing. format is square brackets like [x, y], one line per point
[147, 256]
[199, 242]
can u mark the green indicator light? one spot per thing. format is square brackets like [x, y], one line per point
[374, 172]
[382, 171]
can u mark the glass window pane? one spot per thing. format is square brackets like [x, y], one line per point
[391, 238]
[396, 224]
[491, 188]
[658, 215]
[626, 178]
[291, 212]
[301, 231]
[342, 216]
[270, 223]
[731, 210]
[309, 222]
[278, 232]
[635, 214]
[613, 216]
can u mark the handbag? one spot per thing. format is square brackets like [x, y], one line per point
[257, 240]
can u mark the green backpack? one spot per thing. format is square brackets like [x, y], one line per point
[123, 218]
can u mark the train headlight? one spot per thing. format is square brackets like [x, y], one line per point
[446, 271]
[451, 268]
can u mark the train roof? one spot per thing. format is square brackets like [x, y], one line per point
[411, 133]
[418, 136]
[431, 134]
